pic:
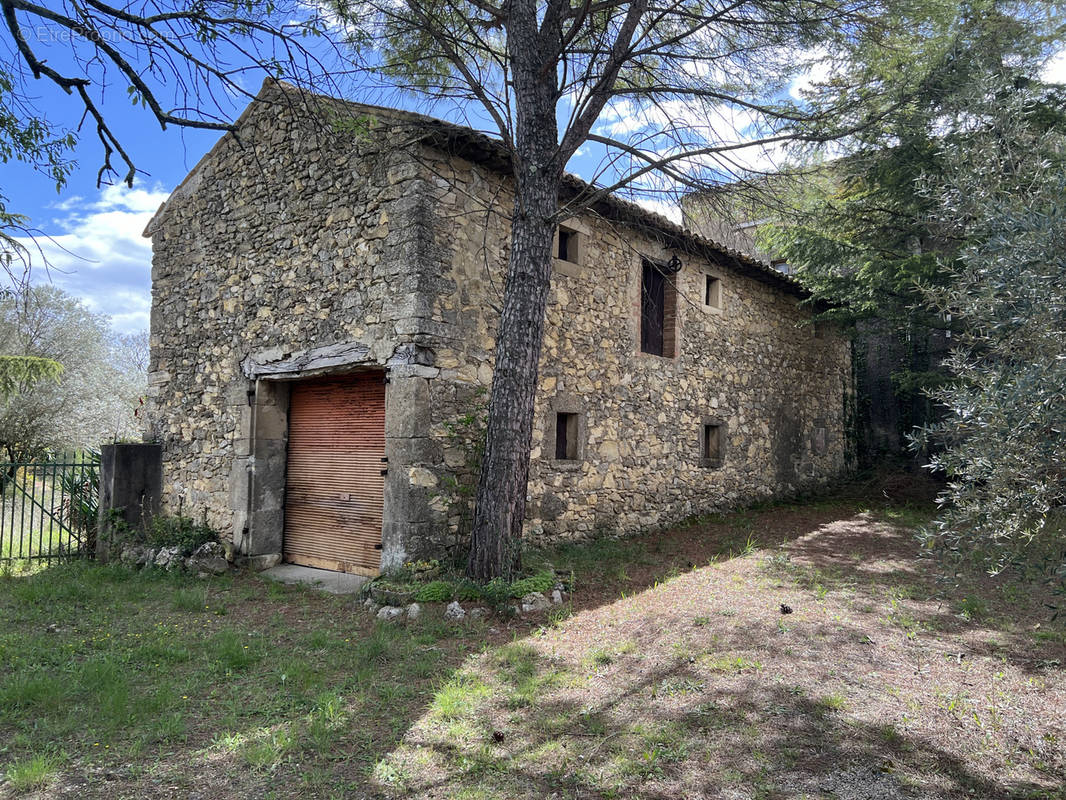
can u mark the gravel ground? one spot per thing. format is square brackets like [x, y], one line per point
[876, 684]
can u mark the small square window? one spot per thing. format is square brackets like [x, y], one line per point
[712, 291]
[568, 247]
[566, 432]
[711, 444]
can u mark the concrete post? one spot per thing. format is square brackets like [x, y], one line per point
[131, 485]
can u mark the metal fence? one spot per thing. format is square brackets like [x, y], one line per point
[48, 509]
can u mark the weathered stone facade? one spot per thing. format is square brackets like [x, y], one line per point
[882, 350]
[297, 249]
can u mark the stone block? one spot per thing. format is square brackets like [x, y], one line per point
[407, 408]
[261, 562]
[236, 393]
[271, 423]
[422, 450]
[266, 531]
[131, 487]
[535, 601]
[409, 500]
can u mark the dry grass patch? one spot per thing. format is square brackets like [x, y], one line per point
[692, 682]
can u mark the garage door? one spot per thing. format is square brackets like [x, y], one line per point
[334, 478]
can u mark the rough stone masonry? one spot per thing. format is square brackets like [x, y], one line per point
[326, 237]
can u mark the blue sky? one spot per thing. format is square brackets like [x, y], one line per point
[92, 235]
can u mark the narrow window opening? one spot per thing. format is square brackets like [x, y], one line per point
[566, 436]
[568, 245]
[565, 244]
[712, 292]
[658, 312]
[711, 445]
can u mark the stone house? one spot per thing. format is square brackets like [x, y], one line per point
[326, 286]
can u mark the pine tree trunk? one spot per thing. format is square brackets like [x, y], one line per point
[501, 497]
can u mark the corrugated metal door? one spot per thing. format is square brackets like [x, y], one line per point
[334, 485]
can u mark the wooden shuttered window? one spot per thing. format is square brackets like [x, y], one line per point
[658, 312]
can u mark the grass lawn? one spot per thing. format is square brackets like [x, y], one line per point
[673, 674]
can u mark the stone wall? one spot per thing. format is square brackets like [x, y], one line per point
[296, 250]
[757, 365]
[883, 351]
[291, 250]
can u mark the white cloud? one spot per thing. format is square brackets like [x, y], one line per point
[672, 128]
[690, 124]
[679, 126]
[816, 70]
[663, 208]
[1055, 68]
[95, 251]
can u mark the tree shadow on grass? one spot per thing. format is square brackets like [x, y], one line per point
[880, 564]
[680, 731]
[818, 719]
[847, 546]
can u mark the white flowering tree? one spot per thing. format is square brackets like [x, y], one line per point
[88, 400]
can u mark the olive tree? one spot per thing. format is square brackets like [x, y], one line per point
[860, 235]
[1002, 444]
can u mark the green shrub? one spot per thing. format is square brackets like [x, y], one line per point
[973, 608]
[438, 591]
[542, 581]
[497, 594]
[468, 590]
[179, 531]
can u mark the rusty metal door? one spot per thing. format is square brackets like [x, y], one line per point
[334, 485]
